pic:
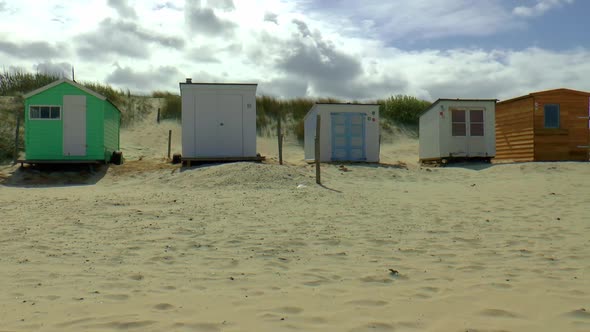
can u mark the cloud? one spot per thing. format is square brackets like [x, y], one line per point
[312, 65]
[123, 8]
[212, 53]
[167, 5]
[225, 5]
[283, 87]
[131, 40]
[540, 8]
[271, 17]
[303, 28]
[144, 81]
[63, 69]
[32, 50]
[421, 19]
[3, 6]
[203, 20]
[204, 54]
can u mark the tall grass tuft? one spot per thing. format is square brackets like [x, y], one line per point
[172, 105]
[17, 81]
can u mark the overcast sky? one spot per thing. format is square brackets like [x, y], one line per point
[349, 49]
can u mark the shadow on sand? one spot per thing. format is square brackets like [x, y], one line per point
[474, 166]
[55, 175]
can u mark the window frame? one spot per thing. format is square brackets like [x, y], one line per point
[558, 116]
[482, 123]
[45, 119]
[464, 122]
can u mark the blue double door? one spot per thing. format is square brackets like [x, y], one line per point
[348, 136]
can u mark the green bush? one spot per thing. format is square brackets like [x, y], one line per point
[402, 109]
[172, 105]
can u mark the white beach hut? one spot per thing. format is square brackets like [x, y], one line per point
[458, 128]
[218, 121]
[349, 132]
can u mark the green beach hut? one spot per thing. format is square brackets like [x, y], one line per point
[66, 122]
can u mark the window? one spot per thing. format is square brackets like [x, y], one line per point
[476, 123]
[552, 116]
[458, 119]
[45, 112]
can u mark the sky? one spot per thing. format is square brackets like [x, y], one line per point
[348, 49]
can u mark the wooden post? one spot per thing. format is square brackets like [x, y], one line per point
[15, 156]
[280, 138]
[318, 177]
[169, 141]
[158, 118]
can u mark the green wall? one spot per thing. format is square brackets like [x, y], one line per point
[44, 137]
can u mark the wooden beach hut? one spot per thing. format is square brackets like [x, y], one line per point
[218, 122]
[348, 132]
[548, 125]
[458, 129]
[66, 122]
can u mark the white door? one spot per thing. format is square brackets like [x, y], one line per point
[74, 126]
[230, 125]
[205, 130]
[459, 137]
[218, 125]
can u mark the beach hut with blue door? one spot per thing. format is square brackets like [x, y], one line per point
[348, 132]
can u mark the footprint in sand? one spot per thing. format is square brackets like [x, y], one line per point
[498, 313]
[368, 303]
[201, 327]
[374, 327]
[580, 314]
[117, 297]
[163, 306]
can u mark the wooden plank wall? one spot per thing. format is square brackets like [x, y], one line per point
[514, 130]
[562, 144]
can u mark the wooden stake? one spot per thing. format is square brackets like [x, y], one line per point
[318, 177]
[280, 138]
[15, 156]
[158, 118]
[169, 141]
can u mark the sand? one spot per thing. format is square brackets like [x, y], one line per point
[259, 247]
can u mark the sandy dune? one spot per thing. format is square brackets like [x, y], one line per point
[259, 247]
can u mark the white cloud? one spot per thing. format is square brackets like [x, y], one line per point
[296, 55]
[540, 8]
[416, 19]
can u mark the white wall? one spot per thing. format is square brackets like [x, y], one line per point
[464, 146]
[429, 133]
[208, 130]
[372, 130]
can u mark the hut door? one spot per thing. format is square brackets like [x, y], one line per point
[74, 126]
[218, 125]
[459, 143]
[475, 127]
[230, 125]
[348, 136]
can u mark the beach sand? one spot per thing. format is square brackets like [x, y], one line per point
[148, 246]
